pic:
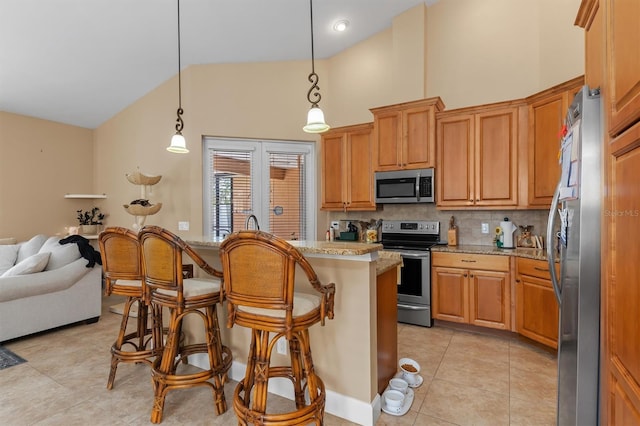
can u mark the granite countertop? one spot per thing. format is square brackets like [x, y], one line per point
[387, 260]
[531, 253]
[343, 248]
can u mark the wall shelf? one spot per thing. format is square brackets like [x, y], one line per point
[86, 196]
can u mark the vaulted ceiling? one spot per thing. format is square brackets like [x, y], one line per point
[81, 61]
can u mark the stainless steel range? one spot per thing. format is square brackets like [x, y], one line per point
[413, 239]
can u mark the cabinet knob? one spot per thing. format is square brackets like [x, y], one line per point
[465, 275]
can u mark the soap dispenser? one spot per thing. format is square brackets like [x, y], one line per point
[508, 228]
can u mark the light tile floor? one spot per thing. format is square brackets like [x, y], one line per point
[469, 379]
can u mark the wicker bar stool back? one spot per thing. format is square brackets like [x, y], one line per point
[162, 256]
[259, 277]
[122, 269]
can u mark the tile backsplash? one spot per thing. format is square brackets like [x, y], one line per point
[469, 221]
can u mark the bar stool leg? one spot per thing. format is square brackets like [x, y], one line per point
[215, 350]
[296, 370]
[117, 345]
[165, 366]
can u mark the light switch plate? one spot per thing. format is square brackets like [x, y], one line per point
[183, 226]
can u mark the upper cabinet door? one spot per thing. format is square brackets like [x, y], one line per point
[497, 158]
[388, 140]
[359, 174]
[623, 61]
[418, 147]
[455, 166]
[332, 169]
[545, 121]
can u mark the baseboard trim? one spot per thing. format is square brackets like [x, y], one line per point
[345, 407]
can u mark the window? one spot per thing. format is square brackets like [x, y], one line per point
[272, 180]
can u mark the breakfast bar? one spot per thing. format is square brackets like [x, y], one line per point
[345, 350]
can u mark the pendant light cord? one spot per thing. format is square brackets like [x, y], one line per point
[313, 68]
[313, 95]
[180, 123]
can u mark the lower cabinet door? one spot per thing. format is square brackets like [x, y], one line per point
[537, 310]
[449, 293]
[489, 301]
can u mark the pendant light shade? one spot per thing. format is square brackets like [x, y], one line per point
[178, 143]
[315, 116]
[315, 121]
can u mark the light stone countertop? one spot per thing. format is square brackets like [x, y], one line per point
[306, 247]
[386, 259]
[531, 253]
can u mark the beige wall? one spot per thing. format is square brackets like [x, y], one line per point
[494, 50]
[41, 161]
[474, 52]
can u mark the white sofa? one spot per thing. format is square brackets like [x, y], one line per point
[46, 285]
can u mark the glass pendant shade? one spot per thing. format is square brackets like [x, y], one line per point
[178, 144]
[315, 121]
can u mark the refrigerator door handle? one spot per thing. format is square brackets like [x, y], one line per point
[550, 246]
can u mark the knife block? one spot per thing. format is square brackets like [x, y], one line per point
[452, 237]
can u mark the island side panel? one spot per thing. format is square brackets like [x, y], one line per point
[345, 349]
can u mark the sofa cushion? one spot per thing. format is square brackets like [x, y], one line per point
[62, 255]
[31, 247]
[30, 265]
[8, 256]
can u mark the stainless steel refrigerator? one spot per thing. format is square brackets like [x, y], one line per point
[573, 238]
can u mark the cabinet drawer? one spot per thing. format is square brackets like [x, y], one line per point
[471, 261]
[535, 268]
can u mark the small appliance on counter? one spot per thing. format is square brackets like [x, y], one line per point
[508, 228]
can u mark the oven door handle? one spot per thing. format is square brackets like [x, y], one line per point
[419, 255]
[412, 307]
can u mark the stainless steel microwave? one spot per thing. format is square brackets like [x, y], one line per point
[405, 186]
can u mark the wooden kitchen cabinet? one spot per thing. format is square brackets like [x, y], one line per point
[472, 289]
[622, 64]
[477, 156]
[404, 135]
[612, 37]
[536, 304]
[547, 111]
[347, 176]
[387, 333]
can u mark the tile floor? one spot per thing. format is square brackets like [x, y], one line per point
[469, 379]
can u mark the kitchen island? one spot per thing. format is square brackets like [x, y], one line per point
[345, 350]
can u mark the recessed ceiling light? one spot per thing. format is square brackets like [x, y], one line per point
[340, 25]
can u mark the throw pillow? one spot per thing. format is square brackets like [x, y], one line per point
[31, 247]
[8, 256]
[62, 255]
[5, 241]
[30, 265]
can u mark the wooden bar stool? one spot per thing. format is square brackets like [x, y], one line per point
[259, 276]
[122, 268]
[162, 254]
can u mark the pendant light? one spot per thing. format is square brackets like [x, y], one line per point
[315, 117]
[178, 143]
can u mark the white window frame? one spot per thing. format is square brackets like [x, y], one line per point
[260, 168]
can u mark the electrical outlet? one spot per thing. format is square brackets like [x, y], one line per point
[485, 228]
[335, 224]
[183, 226]
[281, 346]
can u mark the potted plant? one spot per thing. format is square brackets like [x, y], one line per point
[89, 220]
